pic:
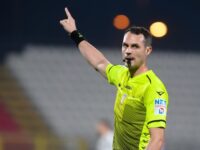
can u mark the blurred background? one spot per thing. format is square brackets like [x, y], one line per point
[50, 99]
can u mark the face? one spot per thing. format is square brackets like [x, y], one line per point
[101, 128]
[134, 51]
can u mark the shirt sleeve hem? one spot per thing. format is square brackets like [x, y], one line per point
[156, 124]
[109, 66]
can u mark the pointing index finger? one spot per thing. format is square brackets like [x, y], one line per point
[67, 13]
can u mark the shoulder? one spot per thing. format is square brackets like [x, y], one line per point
[116, 70]
[155, 81]
[112, 67]
[156, 85]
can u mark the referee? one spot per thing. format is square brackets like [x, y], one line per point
[141, 101]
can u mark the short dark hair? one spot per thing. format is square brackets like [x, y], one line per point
[141, 30]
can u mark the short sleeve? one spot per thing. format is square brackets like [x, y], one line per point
[114, 73]
[156, 103]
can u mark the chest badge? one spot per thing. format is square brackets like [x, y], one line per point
[123, 98]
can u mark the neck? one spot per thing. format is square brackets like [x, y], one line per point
[136, 71]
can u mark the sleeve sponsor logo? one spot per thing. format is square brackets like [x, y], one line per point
[160, 107]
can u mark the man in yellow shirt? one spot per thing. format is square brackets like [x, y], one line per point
[141, 102]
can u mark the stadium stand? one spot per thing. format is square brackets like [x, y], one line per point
[21, 126]
[72, 97]
[7, 124]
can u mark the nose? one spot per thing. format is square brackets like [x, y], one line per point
[128, 51]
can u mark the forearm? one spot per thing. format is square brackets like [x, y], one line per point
[155, 144]
[157, 139]
[93, 56]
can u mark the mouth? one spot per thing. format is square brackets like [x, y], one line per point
[128, 59]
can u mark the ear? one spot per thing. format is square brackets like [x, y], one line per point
[148, 50]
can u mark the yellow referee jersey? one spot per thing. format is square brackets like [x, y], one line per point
[141, 103]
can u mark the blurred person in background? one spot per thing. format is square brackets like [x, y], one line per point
[105, 132]
[140, 109]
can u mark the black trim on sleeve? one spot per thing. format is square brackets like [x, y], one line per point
[149, 78]
[156, 121]
[111, 68]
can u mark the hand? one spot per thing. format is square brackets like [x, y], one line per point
[68, 24]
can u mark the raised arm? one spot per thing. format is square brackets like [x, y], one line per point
[89, 52]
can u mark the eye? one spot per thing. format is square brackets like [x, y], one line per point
[135, 46]
[124, 45]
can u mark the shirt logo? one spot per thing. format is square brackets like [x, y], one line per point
[160, 107]
[160, 92]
